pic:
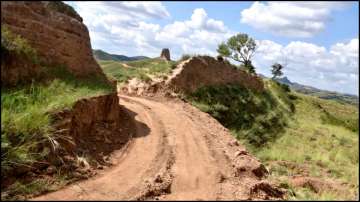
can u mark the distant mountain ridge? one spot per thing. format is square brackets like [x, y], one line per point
[102, 55]
[324, 94]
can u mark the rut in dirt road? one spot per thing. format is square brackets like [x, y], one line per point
[177, 153]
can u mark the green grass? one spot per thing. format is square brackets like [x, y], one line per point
[256, 118]
[141, 69]
[12, 43]
[329, 149]
[21, 191]
[26, 119]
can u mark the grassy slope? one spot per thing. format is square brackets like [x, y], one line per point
[255, 117]
[329, 149]
[319, 134]
[140, 69]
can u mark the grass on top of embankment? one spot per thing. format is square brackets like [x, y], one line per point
[25, 114]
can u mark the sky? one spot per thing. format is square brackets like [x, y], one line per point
[318, 41]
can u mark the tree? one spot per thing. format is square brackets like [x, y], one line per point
[240, 48]
[276, 70]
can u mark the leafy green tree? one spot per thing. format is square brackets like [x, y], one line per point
[276, 70]
[240, 48]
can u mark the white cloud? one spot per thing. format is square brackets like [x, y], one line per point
[291, 19]
[130, 33]
[126, 25]
[334, 69]
[199, 35]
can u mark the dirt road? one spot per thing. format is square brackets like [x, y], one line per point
[177, 153]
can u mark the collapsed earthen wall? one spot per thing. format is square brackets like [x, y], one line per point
[57, 36]
[207, 71]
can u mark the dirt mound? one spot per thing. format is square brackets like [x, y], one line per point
[93, 129]
[206, 71]
[55, 31]
[192, 74]
[83, 142]
[317, 185]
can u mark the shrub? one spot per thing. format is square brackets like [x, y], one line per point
[63, 8]
[13, 43]
[285, 87]
[184, 57]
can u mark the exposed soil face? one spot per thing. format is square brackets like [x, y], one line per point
[177, 153]
[16, 69]
[206, 71]
[83, 142]
[94, 128]
[59, 36]
[192, 74]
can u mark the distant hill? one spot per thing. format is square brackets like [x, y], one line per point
[324, 94]
[102, 55]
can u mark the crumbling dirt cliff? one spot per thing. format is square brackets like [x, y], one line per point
[55, 31]
[195, 73]
[93, 128]
[206, 71]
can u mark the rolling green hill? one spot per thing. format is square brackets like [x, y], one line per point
[323, 94]
[102, 55]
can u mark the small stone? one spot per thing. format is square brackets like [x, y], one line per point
[107, 141]
[158, 179]
[51, 170]
[242, 152]
[100, 167]
[107, 158]
[233, 143]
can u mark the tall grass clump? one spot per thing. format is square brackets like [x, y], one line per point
[25, 115]
[13, 43]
